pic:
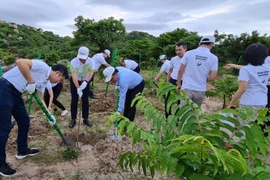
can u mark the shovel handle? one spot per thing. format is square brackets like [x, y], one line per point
[47, 114]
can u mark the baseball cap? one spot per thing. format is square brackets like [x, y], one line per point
[83, 53]
[162, 57]
[107, 51]
[108, 72]
[208, 39]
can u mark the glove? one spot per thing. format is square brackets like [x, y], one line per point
[54, 120]
[31, 87]
[117, 112]
[83, 85]
[117, 88]
[79, 92]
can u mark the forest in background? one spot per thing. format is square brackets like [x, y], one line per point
[23, 41]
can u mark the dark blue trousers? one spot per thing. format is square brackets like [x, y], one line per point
[12, 104]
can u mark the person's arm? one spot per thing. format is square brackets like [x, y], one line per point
[169, 74]
[158, 76]
[50, 91]
[89, 77]
[74, 80]
[122, 98]
[180, 75]
[24, 65]
[229, 66]
[106, 65]
[241, 89]
[212, 76]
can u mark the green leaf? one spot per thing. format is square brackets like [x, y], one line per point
[179, 169]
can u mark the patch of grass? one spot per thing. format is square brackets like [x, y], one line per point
[70, 154]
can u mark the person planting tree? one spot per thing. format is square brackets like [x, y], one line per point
[129, 83]
[100, 59]
[28, 75]
[82, 70]
[51, 94]
[130, 64]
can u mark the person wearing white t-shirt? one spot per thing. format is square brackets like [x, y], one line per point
[253, 78]
[166, 65]
[130, 64]
[180, 50]
[198, 67]
[51, 94]
[100, 59]
[82, 70]
[28, 75]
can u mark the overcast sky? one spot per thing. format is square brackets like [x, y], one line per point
[152, 16]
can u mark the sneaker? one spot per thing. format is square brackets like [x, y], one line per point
[6, 170]
[64, 112]
[93, 96]
[29, 152]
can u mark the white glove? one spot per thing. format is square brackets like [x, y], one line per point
[117, 112]
[83, 85]
[79, 92]
[31, 87]
[117, 88]
[54, 120]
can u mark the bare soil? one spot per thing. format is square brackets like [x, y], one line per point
[98, 158]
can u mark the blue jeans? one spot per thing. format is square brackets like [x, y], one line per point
[12, 104]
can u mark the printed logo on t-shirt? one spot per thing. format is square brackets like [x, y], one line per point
[198, 64]
[203, 58]
[264, 73]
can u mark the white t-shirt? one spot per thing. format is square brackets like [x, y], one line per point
[267, 64]
[199, 62]
[130, 64]
[175, 64]
[82, 70]
[99, 60]
[40, 72]
[257, 78]
[50, 85]
[166, 66]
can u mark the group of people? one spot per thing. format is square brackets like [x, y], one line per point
[188, 70]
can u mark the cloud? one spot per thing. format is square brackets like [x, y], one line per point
[152, 16]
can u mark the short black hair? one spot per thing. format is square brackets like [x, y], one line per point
[115, 71]
[181, 44]
[255, 54]
[62, 69]
[206, 43]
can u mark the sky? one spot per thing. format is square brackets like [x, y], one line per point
[152, 16]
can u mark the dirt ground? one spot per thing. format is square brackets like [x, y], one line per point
[98, 154]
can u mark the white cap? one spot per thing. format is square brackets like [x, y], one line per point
[208, 39]
[162, 57]
[107, 51]
[108, 72]
[83, 53]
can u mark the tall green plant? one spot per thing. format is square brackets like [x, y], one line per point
[192, 144]
[225, 86]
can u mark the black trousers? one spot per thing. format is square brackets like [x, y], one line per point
[172, 81]
[129, 112]
[56, 92]
[75, 99]
[137, 69]
[91, 93]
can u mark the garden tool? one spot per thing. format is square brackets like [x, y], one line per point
[116, 122]
[66, 141]
[112, 64]
[80, 117]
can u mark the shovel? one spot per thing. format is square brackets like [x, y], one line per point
[116, 122]
[66, 141]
